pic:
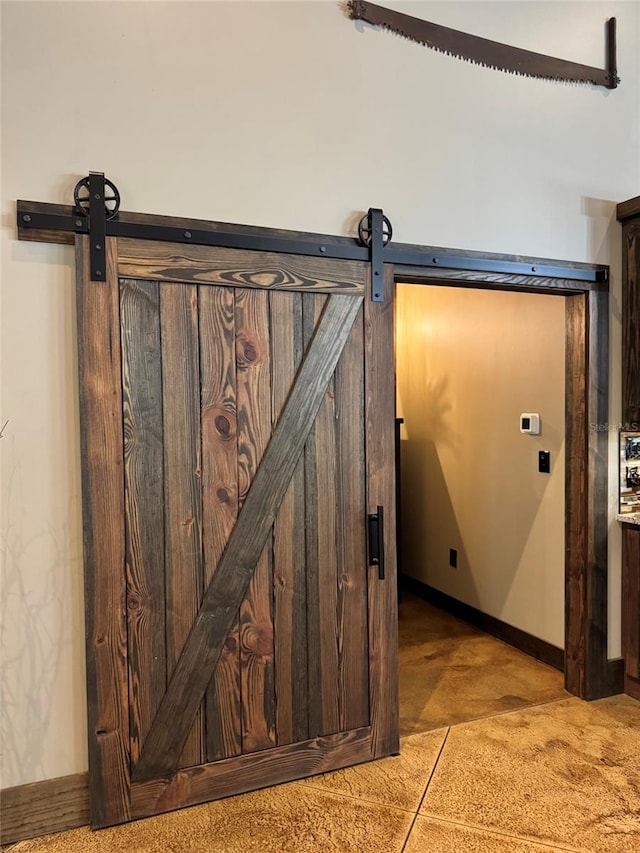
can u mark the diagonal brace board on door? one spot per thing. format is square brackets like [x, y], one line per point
[170, 728]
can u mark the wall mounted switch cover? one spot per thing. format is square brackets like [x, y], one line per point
[544, 461]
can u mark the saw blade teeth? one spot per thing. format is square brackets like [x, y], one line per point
[358, 10]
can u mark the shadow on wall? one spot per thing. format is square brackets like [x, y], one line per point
[464, 492]
[425, 495]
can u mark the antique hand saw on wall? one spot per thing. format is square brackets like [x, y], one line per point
[493, 54]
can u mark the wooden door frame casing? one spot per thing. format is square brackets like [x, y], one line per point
[588, 672]
[628, 214]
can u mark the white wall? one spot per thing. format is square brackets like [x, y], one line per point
[278, 114]
[468, 363]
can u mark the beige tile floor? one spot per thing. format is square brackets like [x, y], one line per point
[496, 758]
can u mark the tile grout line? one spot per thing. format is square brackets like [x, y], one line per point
[426, 788]
[511, 711]
[544, 845]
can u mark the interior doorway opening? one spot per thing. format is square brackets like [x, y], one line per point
[481, 522]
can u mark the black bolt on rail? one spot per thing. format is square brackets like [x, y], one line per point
[375, 232]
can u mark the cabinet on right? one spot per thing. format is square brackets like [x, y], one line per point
[629, 216]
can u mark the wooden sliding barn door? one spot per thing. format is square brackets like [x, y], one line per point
[237, 427]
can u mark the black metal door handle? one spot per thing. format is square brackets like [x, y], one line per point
[375, 523]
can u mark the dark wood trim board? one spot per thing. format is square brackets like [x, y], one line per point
[40, 808]
[629, 216]
[631, 323]
[527, 643]
[631, 606]
[632, 687]
[615, 676]
[628, 209]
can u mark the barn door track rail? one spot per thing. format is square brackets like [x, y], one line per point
[96, 212]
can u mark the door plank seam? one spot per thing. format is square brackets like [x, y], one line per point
[202, 648]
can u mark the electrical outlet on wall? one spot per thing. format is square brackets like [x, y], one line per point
[453, 558]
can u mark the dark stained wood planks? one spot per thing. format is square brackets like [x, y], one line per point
[182, 481]
[575, 495]
[311, 306]
[289, 576]
[144, 503]
[220, 501]
[335, 544]
[352, 586]
[40, 808]
[190, 344]
[251, 771]
[631, 323]
[631, 600]
[586, 389]
[176, 262]
[321, 550]
[104, 538]
[596, 585]
[629, 214]
[222, 387]
[253, 361]
[380, 460]
[228, 587]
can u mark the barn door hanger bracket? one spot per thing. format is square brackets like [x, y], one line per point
[375, 232]
[97, 199]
